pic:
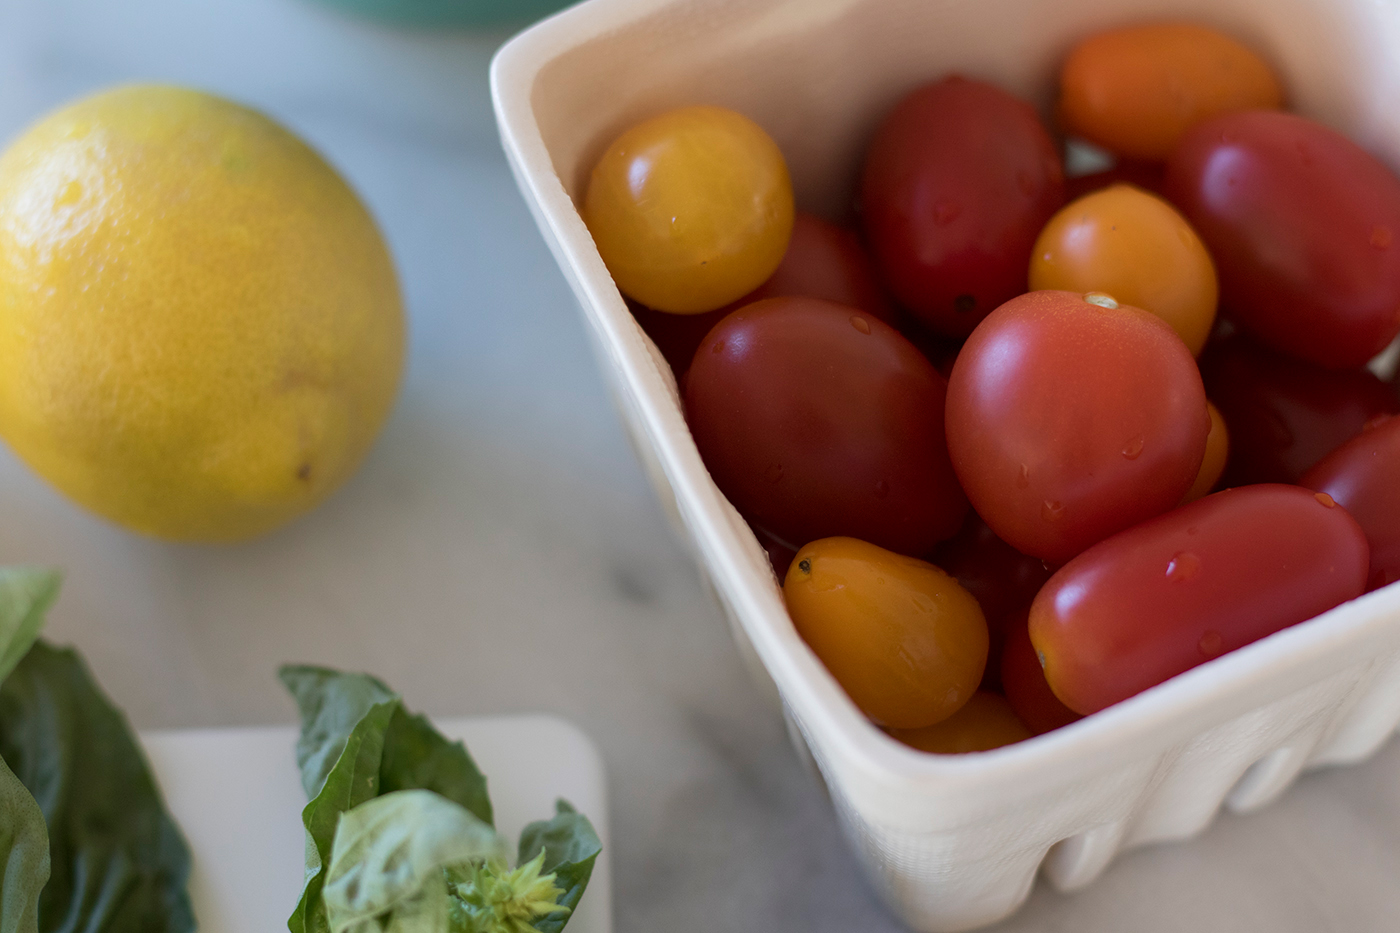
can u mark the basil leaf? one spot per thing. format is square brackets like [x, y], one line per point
[415, 754]
[387, 861]
[25, 596]
[331, 705]
[117, 861]
[418, 756]
[353, 779]
[24, 855]
[571, 846]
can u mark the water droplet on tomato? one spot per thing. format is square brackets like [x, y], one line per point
[860, 323]
[1051, 511]
[1183, 566]
[1102, 299]
[882, 489]
[1211, 643]
[774, 472]
[1133, 449]
[1325, 499]
[717, 346]
[1023, 479]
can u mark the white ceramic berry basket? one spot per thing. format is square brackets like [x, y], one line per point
[951, 842]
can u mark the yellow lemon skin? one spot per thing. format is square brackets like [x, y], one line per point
[200, 326]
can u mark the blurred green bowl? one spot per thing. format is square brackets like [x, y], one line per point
[450, 12]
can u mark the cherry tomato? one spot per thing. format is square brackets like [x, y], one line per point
[1137, 248]
[1003, 580]
[1304, 226]
[1363, 475]
[1135, 91]
[1146, 175]
[986, 722]
[1069, 420]
[901, 637]
[822, 261]
[958, 181]
[816, 419]
[1185, 587]
[1023, 682]
[1284, 414]
[690, 209]
[1217, 454]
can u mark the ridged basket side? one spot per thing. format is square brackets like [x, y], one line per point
[979, 873]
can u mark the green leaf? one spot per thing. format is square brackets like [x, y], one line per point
[418, 756]
[25, 596]
[415, 754]
[331, 705]
[24, 855]
[117, 861]
[353, 779]
[386, 867]
[570, 847]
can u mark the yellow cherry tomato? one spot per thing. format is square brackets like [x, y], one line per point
[1135, 247]
[1135, 91]
[1217, 452]
[986, 722]
[690, 210]
[903, 638]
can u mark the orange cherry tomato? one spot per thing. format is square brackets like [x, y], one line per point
[690, 209]
[1135, 91]
[901, 637]
[986, 722]
[1217, 452]
[1137, 248]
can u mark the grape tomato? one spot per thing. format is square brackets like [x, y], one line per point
[901, 637]
[1185, 587]
[1137, 248]
[957, 182]
[1304, 226]
[817, 419]
[690, 209]
[822, 261]
[1001, 578]
[1023, 682]
[1363, 476]
[1069, 420]
[1136, 90]
[1284, 415]
[986, 722]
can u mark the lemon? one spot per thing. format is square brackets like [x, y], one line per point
[200, 325]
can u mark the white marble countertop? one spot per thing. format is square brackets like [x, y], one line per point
[500, 551]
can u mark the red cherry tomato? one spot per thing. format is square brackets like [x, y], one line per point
[1146, 175]
[1003, 580]
[819, 420]
[1284, 415]
[1070, 420]
[1363, 475]
[1023, 682]
[1304, 226]
[1176, 591]
[822, 261]
[958, 181]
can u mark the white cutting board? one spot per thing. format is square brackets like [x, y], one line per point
[237, 796]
